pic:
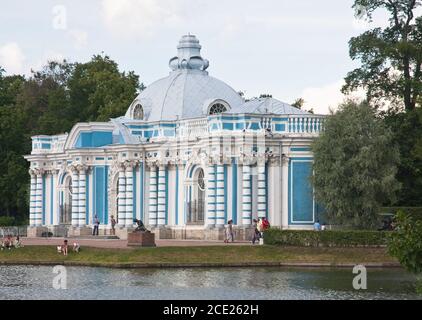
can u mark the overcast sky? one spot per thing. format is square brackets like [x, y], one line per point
[286, 48]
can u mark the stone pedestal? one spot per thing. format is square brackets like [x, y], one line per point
[141, 239]
[123, 233]
[36, 232]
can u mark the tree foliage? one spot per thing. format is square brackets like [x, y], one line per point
[355, 166]
[406, 242]
[51, 101]
[391, 58]
[407, 135]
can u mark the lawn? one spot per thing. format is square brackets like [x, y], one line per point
[196, 255]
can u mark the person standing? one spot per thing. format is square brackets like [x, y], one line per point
[96, 226]
[65, 247]
[113, 225]
[229, 232]
[256, 234]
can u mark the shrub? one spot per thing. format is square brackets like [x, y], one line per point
[406, 243]
[414, 212]
[305, 238]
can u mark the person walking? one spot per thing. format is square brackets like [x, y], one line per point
[113, 225]
[96, 226]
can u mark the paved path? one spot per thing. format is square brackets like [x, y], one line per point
[122, 244]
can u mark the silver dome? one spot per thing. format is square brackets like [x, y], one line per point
[188, 92]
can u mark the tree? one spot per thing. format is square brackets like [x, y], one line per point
[407, 135]
[391, 58]
[99, 91]
[355, 163]
[49, 102]
[406, 242]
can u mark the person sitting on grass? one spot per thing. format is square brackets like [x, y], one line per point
[76, 247]
[7, 243]
[17, 243]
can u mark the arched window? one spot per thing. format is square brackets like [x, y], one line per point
[201, 180]
[217, 108]
[138, 112]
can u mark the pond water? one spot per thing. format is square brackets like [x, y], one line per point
[36, 282]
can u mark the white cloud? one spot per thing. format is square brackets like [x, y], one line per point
[142, 18]
[12, 58]
[79, 37]
[327, 97]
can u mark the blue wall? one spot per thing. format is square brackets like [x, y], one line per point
[100, 193]
[301, 201]
[94, 139]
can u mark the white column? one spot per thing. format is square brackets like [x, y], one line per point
[161, 198]
[75, 197]
[246, 195]
[121, 197]
[285, 193]
[211, 196]
[129, 196]
[153, 184]
[82, 197]
[262, 206]
[38, 200]
[32, 199]
[220, 202]
[55, 195]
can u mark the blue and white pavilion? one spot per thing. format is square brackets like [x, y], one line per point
[189, 155]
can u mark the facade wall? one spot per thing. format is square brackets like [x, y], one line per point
[246, 174]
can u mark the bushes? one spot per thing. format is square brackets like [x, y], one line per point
[415, 212]
[325, 238]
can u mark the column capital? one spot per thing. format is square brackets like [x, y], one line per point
[129, 165]
[32, 173]
[82, 169]
[284, 159]
[151, 164]
[74, 169]
[39, 172]
[248, 160]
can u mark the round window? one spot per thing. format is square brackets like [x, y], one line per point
[217, 108]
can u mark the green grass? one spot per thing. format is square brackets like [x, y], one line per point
[193, 255]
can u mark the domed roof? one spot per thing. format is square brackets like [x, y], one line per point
[188, 91]
[267, 105]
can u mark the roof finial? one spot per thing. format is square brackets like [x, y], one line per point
[189, 55]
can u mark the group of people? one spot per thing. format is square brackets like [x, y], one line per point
[9, 242]
[96, 224]
[64, 248]
[259, 226]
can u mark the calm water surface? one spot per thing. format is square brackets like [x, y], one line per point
[36, 282]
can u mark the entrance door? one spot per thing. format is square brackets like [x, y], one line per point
[196, 205]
